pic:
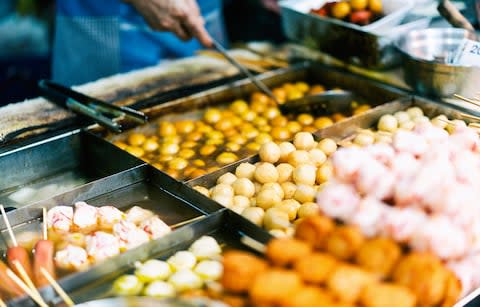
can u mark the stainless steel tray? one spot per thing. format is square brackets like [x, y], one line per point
[342, 40]
[143, 186]
[225, 226]
[57, 165]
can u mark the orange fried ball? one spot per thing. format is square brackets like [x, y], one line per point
[314, 230]
[453, 291]
[240, 270]
[316, 268]
[425, 275]
[345, 241]
[272, 287]
[286, 251]
[347, 282]
[309, 297]
[379, 256]
[384, 294]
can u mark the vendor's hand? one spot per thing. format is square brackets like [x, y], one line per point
[271, 5]
[181, 17]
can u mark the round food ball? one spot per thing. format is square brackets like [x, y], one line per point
[324, 173]
[182, 260]
[267, 198]
[359, 5]
[440, 121]
[266, 172]
[209, 270]
[222, 189]
[401, 116]
[270, 152]
[245, 170]
[185, 280]
[304, 141]
[274, 186]
[323, 122]
[206, 248]
[241, 201]
[136, 139]
[408, 125]
[299, 157]
[254, 215]
[284, 252]
[285, 172]
[276, 219]
[364, 139]
[244, 187]
[328, 146]
[304, 193]
[304, 174]
[290, 206]
[289, 189]
[387, 123]
[421, 119]
[127, 285]
[227, 178]
[414, 112]
[285, 149]
[307, 209]
[375, 6]
[202, 190]
[153, 269]
[159, 289]
[317, 157]
[341, 10]
[224, 200]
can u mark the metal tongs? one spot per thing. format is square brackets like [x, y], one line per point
[100, 111]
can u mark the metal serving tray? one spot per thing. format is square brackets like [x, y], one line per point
[345, 41]
[143, 186]
[192, 107]
[57, 165]
[96, 283]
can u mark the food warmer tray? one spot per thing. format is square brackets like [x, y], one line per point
[345, 41]
[67, 160]
[143, 186]
[223, 225]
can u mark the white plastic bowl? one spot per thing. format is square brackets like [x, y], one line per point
[395, 11]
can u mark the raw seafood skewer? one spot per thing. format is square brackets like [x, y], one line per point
[43, 258]
[16, 252]
[57, 288]
[38, 299]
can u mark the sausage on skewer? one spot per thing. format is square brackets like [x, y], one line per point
[43, 257]
[6, 284]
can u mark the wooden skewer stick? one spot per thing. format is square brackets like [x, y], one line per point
[187, 221]
[57, 288]
[472, 101]
[464, 115]
[9, 228]
[253, 244]
[25, 277]
[23, 286]
[44, 224]
[2, 303]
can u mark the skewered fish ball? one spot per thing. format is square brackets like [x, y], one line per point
[182, 260]
[206, 248]
[153, 270]
[127, 285]
[209, 270]
[159, 289]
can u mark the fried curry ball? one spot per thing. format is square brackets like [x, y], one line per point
[453, 291]
[425, 275]
[347, 282]
[385, 294]
[240, 269]
[272, 287]
[314, 230]
[345, 241]
[286, 251]
[379, 256]
[316, 268]
[309, 297]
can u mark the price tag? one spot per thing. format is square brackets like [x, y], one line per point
[468, 54]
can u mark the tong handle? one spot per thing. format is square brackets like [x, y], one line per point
[89, 112]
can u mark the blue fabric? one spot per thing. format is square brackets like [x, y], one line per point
[94, 39]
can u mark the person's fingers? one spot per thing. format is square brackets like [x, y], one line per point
[195, 9]
[197, 29]
[179, 31]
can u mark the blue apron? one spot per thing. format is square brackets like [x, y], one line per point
[94, 39]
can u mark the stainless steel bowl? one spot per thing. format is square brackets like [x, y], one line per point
[425, 55]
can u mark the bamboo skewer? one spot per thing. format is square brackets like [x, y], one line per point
[44, 224]
[187, 221]
[25, 277]
[57, 288]
[26, 289]
[9, 227]
[2, 303]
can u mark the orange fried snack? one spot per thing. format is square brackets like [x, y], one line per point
[316, 268]
[240, 269]
[384, 294]
[272, 287]
[344, 242]
[425, 275]
[309, 297]
[347, 282]
[283, 252]
[378, 256]
[453, 291]
[314, 230]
